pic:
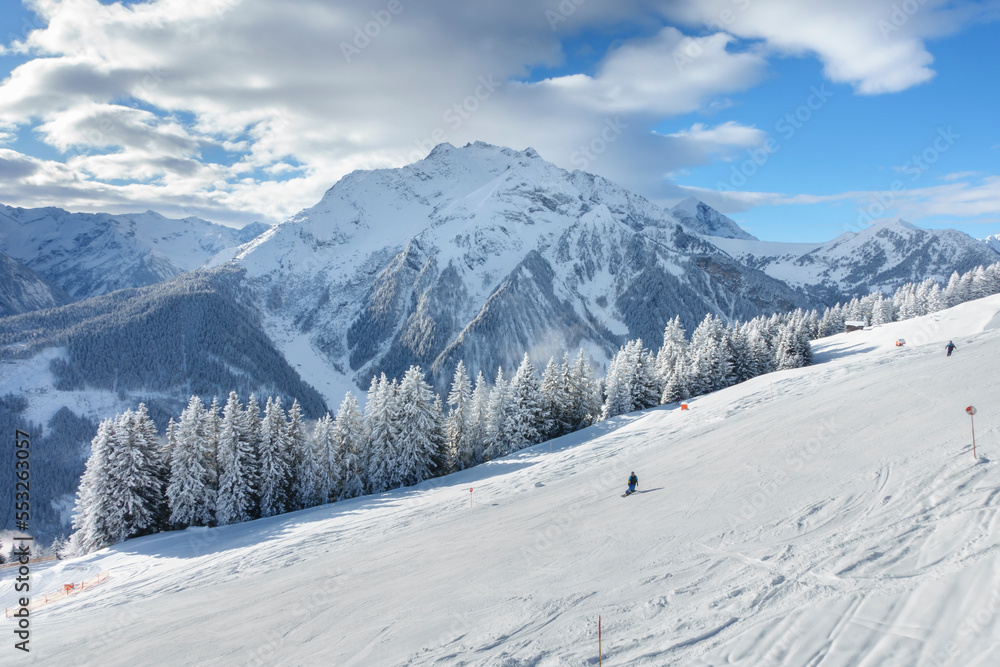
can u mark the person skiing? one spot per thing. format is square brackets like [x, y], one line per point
[633, 482]
[950, 347]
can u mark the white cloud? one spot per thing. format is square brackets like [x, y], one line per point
[877, 46]
[158, 92]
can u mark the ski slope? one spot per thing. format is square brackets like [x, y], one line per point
[832, 515]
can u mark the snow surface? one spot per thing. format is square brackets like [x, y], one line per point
[831, 515]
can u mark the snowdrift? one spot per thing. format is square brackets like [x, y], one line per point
[829, 515]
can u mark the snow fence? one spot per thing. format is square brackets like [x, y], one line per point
[67, 590]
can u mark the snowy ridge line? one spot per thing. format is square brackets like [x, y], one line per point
[67, 591]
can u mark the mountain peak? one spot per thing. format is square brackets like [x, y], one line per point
[703, 219]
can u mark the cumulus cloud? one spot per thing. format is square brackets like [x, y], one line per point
[877, 46]
[242, 109]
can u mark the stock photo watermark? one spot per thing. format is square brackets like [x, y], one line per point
[915, 167]
[786, 126]
[365, 33]
[584, 156]
[456, 115]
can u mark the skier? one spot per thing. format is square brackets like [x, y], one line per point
[633, 482]
[950, 347]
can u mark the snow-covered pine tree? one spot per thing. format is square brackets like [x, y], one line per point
[674, 348]
[552, 399]
[617, 394]
[676, 388]
[439, 440]
[584, 393]
[251, 428]
[305, 489]
[709, 368]
[237, 498]
[382, 425]
[90, 515]
[416, 444]
[525, 414]
[330, 458]
[646, 389]
[191, 492]
[557, 397]
[459, 418]
[793, 349]
[760, 348]
[213, 425]
[135, 477]
[478, 417]
[275, 463]
[632, 383]
[954, 292]
[350, 438]
[739, 355]
[495, 443]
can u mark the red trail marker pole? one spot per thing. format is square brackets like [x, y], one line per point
[599, 641]
[972, 411]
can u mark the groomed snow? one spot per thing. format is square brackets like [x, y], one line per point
[832, 515]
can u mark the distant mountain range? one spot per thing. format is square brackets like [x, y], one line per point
[87, 254]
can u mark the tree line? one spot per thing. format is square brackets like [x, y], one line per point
[233, 463]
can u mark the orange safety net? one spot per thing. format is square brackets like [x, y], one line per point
[67, 590]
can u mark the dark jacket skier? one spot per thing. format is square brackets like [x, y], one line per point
[950, 347]
[633, 482]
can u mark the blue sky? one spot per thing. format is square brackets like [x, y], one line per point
[799, 120]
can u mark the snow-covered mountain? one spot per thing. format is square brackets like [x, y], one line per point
[482, 253]
[702, 218]
[23, 290]
[87, 254]
[828, 515]
[880, 257]
[993, 242]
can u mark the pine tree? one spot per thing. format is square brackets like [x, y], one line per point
[709, 368]
[954, 292]
[632, 382]
[441, 458]
[458, 429]
[617, 393]
[90, 516]
[191, 493]
[275, 463]
[417, 446]
[793, 349]
[135, 477]
[525, 414]
[674, 348]
[555, 399]
[495, 443]
[350, 438]
[236, 500]
[382, 425]
[476, 441]
[646, 388]
[305, 487]
[330, 459]
[584, 394]
[676, 388]
[213, 426]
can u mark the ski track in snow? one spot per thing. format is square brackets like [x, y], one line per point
[832, 515]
